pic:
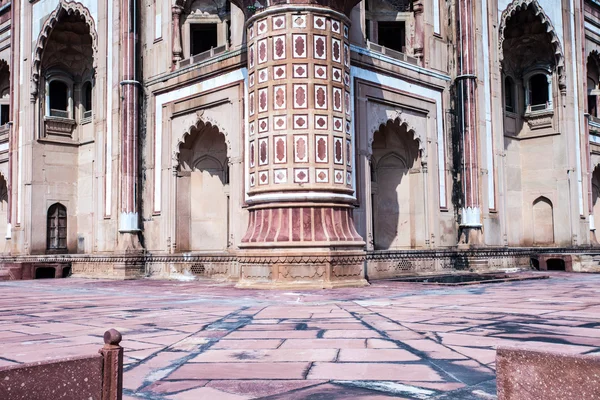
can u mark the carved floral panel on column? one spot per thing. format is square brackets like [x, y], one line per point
[301, 148]
[338, 150]
[299, 21]
[321, 97]
[303, 88]
[321, 150]
[319, 22]
[279, 47]
[301, 175]
[278, 22]
[321, 71]
[300, 71]
[252, 179]
[301, 121]
[279, 72]
[280, 176]
[320, 47]
[262, 51]
[261, 27]
[321, 122]
[299, 43]
[338, 124]
[263, 151]
[322, 175]
[263, 100]
[279, 122]
[263, 75]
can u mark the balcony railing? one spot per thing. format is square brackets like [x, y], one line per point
[208, 54]
[392, 53]
[59, 113]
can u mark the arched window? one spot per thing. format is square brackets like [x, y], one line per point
[57, 227]
[86, 100]
[509, 94]
[538, 95]
[58, 97]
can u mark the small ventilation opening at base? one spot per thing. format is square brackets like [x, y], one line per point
[45, 273]
[556, 264]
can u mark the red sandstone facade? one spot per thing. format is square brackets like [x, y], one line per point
[287, 144]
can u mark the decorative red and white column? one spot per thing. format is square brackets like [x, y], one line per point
[299, 151]
[466, 87]
[129, 218]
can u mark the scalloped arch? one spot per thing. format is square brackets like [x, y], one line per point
[520, 5]
[400, 122]
[199, 126]
[69, 8]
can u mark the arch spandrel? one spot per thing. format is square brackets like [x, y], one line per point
[381, 116]
[63, 7]
[195, 124]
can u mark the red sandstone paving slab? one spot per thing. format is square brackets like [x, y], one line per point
[375, 355]
[373, 372]
[166, 387]
[421, 327]
[381, 344]
[142, 354]
[332, 392]
[265, 355]
[261, 388]
[247, 344]
[433, 349]
[163, 340]
[136, 376]
[323, 344]
[404, 335]
[206, 393]
[6, 363]
[483, 356]
[242, 370]
[270, 327]
[273, 335]
[351, 334]
[556, 338]
[34, 353]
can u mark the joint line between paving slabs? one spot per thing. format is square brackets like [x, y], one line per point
[406, 347]
[211, 341]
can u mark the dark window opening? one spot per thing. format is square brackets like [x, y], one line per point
[45, 273]
[87, 100]
[592, 105]
[59, 99]
[538, 90]
[57, 227]
[368, 28]
[4, 114]
[202, 38]
[555, 264]
[391, 35]
[509, 96]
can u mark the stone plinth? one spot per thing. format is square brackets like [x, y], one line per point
[301, 269]
[533, 375]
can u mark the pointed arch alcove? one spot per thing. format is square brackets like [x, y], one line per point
[397, 187]
[64, 8]
[202, 190]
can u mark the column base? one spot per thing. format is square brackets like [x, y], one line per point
[301, 269]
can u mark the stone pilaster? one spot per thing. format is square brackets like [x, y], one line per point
[466, 87]
[128, 217]
[300, 152]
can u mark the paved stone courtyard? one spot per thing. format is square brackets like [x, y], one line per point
[208, 340]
